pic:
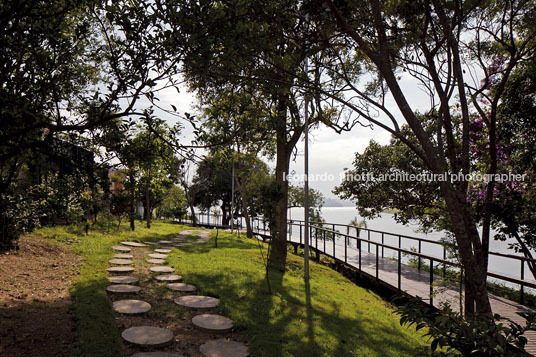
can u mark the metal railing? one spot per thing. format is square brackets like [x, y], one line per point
[376, 242]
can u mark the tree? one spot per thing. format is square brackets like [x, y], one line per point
[513, 205]
[259, 46]
[296, 198]
[444, 46]
[174, 204]
[213, 183]
[71, 67]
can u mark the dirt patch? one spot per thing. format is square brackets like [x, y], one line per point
[34, 299]
[165, 313]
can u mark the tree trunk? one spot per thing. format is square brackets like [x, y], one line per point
[224, 215]
[471, 252]
[242, 190]
[278, 251]
[527, 253]
[132, 202]
[148, 203]
[189, 199]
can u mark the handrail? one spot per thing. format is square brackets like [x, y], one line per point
[319, 227]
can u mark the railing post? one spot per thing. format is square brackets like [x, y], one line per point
[346, 249]
[377, 263]
[324, 237]
[522, 288]
[444, 260]
[431, 282]
[383, 242]
[334, 237]
[399, 270]
[399, 242]
[419, 261]
[359, 258]
[369, 241]
[301, 234]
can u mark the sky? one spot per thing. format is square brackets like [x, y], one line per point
[329, 153]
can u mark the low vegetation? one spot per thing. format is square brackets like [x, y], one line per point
[330, 316]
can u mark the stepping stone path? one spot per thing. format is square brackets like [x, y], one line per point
[131, 306]
[120, 261]
[134, 244]
[148, 336]
[156, 261]
[122, 288]
[120, 270]
[123, 256]
[189, 232]
[224, 348]
[197, 301]
[162, 269]
[212, 323]
[204, 236]
[168, 277]
[124, 279]
[181, 244]
[181, 287]
[156, 354]
[120, 248]
[158, 256]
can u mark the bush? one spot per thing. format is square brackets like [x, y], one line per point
[453, 334]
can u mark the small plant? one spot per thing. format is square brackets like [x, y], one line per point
[453, 334]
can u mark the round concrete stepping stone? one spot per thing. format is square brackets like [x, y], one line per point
[212, 323]
[181, 244]
[131, 306]
[148, 336]
[120, 248]
[122, 288]
[120, 261]
[158, 256]
[162, 269]
[164, 242]
[123, 279]
[197, 301]
[123, 256]
[134, 244]
[164, 251]
[156, 354]
[156, 261]
[120, 270]
[168, 277]
[181, 287]
[224, 348]
[150, 243]
[178, 239]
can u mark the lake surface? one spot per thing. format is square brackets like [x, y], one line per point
[386, 223]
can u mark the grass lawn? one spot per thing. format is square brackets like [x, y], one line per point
[330, 316]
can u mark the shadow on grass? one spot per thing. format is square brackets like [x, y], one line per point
[98, 334]
[223, 243]
[291, 323]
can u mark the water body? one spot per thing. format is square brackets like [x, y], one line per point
[386, 223]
